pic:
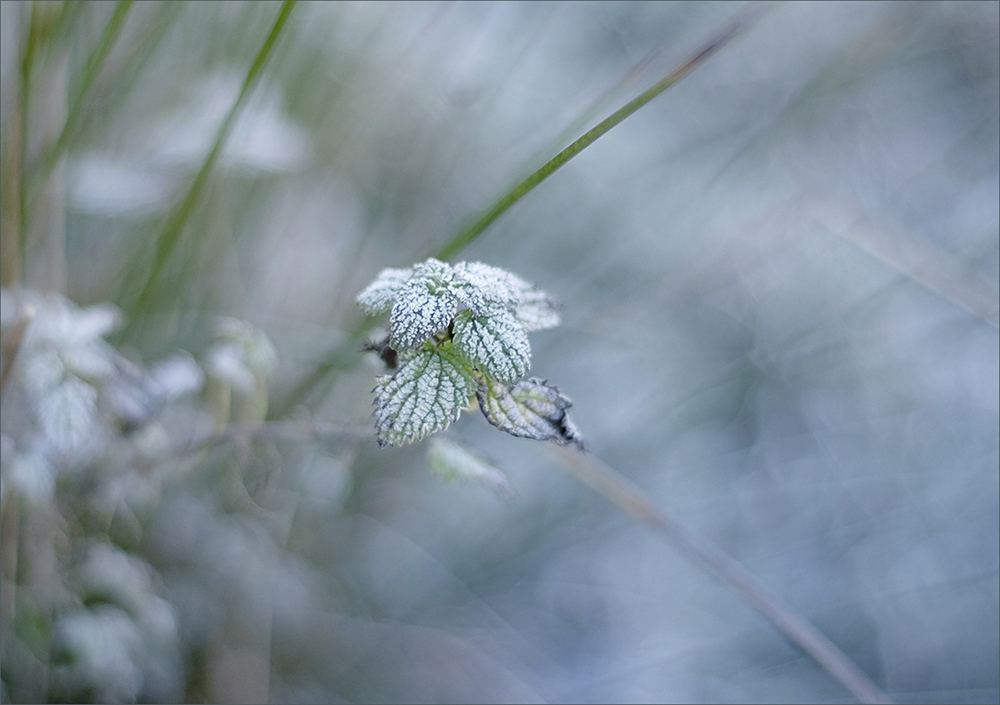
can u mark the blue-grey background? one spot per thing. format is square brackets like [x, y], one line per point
[760, 330]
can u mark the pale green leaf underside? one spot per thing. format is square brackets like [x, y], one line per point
[424, 395]
[529, 409]
[494, 342]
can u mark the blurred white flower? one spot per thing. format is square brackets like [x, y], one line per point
[96, 654]
[103, 185]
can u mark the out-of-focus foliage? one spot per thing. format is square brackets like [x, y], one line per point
[780, 300]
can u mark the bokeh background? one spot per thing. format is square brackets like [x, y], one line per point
[779, 287]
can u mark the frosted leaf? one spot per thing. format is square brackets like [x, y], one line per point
[488, 285]
[132, 395]
[536, 310]
[33, 475]
[495, 342]
[533, 308]
[435, 271]
[101, 651]
[424, 395]
[422, 309]
[379, 296]
[529, 409]
[453, 462]
[453, 325]
[68, 415]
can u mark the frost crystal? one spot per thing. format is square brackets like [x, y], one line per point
[424, 396]
[462, 330]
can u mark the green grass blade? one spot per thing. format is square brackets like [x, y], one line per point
[176, 221]
[92, 68]
[469, 234]
[315, 383]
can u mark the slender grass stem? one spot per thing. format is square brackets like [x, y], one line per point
[466, 236]
[43, 29]
[307, 386]
[174, 227]
[607, 482]
[27, 63]
[110, 35]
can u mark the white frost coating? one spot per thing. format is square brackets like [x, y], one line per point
[379, 296]
[491, 284]
[425, 298]
[462, 330]
[419, 313]
[424, 396]
[495, 342]
[529, 409]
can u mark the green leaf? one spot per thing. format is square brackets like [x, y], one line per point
[495, 342]
[529, 409]
[424, 395]
[379, 296]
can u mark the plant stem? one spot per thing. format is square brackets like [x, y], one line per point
[174, 227]
[93, 67]
[307, 385]
[27, 63]
[606, 481]
[473, 231]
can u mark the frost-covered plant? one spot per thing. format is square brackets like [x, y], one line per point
[88, 441]
[459, 334]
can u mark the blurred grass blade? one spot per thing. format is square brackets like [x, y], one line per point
[607, 482]
[47, 25]
[173, 228]
[309, 383]
[473, 231]
[918, 259]
[92, 68]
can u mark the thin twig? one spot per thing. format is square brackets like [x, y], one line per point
[619, 491]
[916, 257]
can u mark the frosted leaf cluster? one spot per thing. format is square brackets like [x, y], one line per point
[460, 335]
